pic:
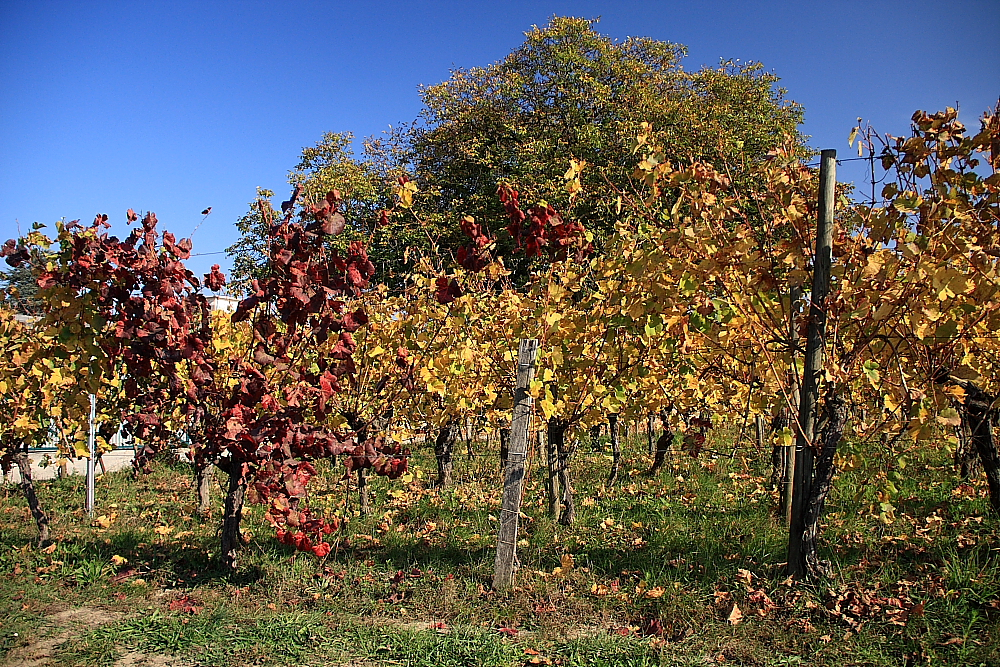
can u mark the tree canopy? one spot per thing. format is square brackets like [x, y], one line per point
[557, 120]
[571, 93]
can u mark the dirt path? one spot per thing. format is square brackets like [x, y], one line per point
[58, 628]
[65, 625]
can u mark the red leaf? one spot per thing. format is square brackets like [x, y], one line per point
[447, 290]
[215, 280]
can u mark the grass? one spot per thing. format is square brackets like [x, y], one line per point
[681, 569]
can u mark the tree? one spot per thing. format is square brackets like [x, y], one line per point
[18, 289]
[364, 185]
[570, 93]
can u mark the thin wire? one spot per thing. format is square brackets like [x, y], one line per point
[846, 159]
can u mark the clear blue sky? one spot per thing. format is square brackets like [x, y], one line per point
[176, 106]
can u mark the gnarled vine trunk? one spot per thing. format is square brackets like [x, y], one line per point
[616, 449]
[978, 413]
[504, 447]
[663, 445]
[444, 447]
[557, 439]
[204, 475]
[966, 459]
[779, 459]
[364, 494]
[28, 489]
[822, 482]
[551, 459]
[651, 433]
[232, 535]
[595, 437]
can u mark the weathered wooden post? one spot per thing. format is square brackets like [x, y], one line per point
[517, 451]
[813, 366]
[92, 455]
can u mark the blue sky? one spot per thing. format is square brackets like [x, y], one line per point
[176, 106]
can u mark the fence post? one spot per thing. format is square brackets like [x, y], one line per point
[91, 447]
[813, 366]
[517, 452]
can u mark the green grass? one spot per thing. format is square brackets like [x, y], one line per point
[659, 564]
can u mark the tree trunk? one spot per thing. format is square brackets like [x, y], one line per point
[364, 497]
[663, 445]
[28, 488]
[232, 535]
[822, 482]
[616, 450]
[557, 437]
[204, 475]
[444, 447]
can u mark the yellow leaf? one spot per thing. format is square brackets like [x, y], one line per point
[567, 562]
[118, 560]
[163, 531]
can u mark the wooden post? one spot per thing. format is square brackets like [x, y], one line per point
[91, 457]
[517, 451]
[813, 367]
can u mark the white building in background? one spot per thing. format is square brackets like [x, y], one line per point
[226, 304]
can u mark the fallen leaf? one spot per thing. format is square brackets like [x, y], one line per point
[186, 604]
[735, 615]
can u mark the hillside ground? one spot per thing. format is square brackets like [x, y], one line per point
[684, 568]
